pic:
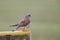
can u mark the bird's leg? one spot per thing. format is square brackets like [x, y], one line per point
[24, 28]
[28, 26]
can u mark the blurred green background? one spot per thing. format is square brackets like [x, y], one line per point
[45, 20]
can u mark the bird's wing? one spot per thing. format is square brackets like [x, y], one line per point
[21, 21]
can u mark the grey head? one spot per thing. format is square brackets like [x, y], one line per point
[28, 15]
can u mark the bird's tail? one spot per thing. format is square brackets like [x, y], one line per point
[13, 25]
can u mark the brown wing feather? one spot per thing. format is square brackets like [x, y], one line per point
[24, 22]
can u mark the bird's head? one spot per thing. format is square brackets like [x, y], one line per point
[28, 15]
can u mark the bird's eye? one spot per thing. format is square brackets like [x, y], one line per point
[29, 15]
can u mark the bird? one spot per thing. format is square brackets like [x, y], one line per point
[24, 22]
